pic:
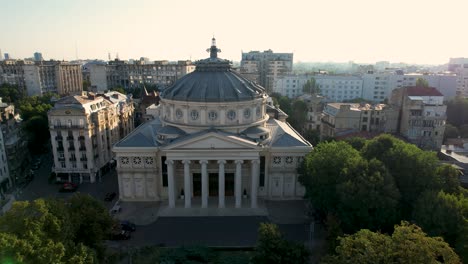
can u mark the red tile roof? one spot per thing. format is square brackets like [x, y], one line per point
[422, 91]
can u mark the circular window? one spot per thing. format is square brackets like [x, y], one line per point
[179, 114]
[231, 114]
[194, 114]
[149, 160]
[212, 115]
[289, 160]
[276, 160]
[247, 113]
[137, 160]
[258, 111]
[124, 160]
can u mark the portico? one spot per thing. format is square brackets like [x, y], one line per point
[203, 163]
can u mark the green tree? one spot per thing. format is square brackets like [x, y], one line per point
[446, 215]
[356, 142]
[39, 232]
[413, 169]
[91, 222]
[272, 248]
[420, 82]
[298, 115]
[119, 89]
[86, 85]
[407, 244]
[451, 131]
[10, 93]
[360, 193]
[310, 86]
[313, 136]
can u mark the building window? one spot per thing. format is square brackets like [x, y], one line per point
[63, 164]
[164, 171]
[231, 115]
[212, 115]
[276, 160]
[194, 114]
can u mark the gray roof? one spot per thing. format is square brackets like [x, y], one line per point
[255, 130]
[142, 136]
[213, 86]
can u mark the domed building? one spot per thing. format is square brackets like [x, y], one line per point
[215, 143]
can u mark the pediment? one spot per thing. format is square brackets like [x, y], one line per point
[213, 141]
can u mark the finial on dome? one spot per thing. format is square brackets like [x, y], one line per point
[213, 50]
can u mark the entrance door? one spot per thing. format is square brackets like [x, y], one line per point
[229, 184]
[289, 186]
[276, 186]
[197, 184]
[213, 184]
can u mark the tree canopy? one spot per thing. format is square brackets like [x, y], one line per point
[311, 87]
[53, 231]
[407, 244]
[420, 82]
[272, 248]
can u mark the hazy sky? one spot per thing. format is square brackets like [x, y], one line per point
[413, 31]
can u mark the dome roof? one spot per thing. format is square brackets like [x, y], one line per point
[213, 81]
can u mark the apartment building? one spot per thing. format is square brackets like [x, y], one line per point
[12, 72]
[83, 129]
[127, 75]
[459, 66]
[341, 119]
[59, 77]
[422, 115]
[265, 67]
[315, 104]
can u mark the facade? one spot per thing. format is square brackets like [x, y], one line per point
[12, 72]
[15, 145]
[126, 75]
[422, 115]
[341, 119]
[378, 87]
[459, 66]
[83, 129]
[58, 77]
[315, 104]
[265, 67]
[212, 143]
[334, 88]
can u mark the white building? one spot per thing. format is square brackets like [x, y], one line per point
[212, 143]
[83, 129]
[459, 66]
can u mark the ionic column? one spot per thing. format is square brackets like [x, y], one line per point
[204, 186]
[254, 185]
[221, 182]
[238, 183]
[170, 183]
[187, 189]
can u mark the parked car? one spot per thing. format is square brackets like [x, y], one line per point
[68, 187]
[110, 196]
[128, 226]
[120, 235]
[116, 208]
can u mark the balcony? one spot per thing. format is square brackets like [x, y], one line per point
[59, 148]
[70, 138]
[83, 159]
[82, 148]
[72, 159]
[71, 148]
[68, 126]
[58, 138]
[61, 159]
[81, 138]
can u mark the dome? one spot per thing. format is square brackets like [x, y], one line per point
[213, 81]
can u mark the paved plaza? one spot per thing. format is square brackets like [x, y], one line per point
[157, 224]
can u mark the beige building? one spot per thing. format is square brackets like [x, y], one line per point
[120, 73]
[341, 119]
[265, 67]
[83, 129]
[59, 77]
[213, 143]
[422, 115]
[315, 107]
[12, 72]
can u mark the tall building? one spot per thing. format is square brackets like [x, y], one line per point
[459, 66]
[422, 115]
[265, 67]
[59, 77]
[212, 143]
[15, 144]
[83, 129]
[38, 56]
[12, 72]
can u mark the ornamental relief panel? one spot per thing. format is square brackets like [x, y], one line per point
[137, 162]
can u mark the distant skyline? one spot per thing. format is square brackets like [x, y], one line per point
[363, 31]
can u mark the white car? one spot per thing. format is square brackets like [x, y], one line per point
[116, 208]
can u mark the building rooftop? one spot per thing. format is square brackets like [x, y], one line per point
[422, 91]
